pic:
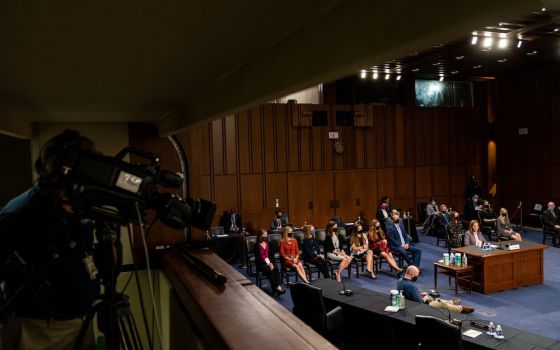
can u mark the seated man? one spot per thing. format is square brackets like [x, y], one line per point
[399, 241]
[231, 221]
[441, 220]
[551, 220]
[411, 292]
[278, 222]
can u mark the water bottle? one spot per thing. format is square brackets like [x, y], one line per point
[491, 329]
[458, 259]
[446, 259]
[499, 334]
[394, 294]
[401, 301]
[464, 259]
[452, 259]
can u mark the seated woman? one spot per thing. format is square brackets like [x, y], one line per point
[312, 251]
[289, 253]
[359, 247]
[332, 248]
[378, 244]
[473, 236]
[264, 260]
[455, 229]
[504, 226]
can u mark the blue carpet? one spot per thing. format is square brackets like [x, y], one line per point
[534, 308]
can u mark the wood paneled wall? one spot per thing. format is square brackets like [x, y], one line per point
[249, 159]
[528, 166]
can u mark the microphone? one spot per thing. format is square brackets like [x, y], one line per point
[345, 291]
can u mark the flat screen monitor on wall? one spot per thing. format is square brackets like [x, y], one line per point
[434, 93]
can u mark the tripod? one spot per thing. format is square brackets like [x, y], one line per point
[115, 317]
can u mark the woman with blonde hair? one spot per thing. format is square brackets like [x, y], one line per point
[378, 245]
[473, 236]
[504, 226]
[289, 253]
[334, 250]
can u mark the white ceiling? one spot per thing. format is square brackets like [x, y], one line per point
[176, 63]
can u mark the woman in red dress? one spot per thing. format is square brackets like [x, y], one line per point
[289, 253]
[378, 244]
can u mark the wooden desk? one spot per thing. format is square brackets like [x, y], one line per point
[459, 272]
[496, 269]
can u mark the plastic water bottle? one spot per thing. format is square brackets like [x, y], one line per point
[491, 329]
[394, 294]
[458, 259]
[401, 301]
[446, 259]
[499, 334]
[452, 259]
[464, 259]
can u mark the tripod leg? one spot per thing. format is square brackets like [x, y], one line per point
[87, 323]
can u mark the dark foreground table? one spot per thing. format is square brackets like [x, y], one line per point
[367, 325]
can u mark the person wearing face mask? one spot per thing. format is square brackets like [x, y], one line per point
[289, 253]
[470, 211]
[551, 220]
[399, 242]
[231, 221]
[359, 246]
[411, 292]
[441, 221]
[278, 222]
[455, 230]
[378, 244]
[432, 207]
[504, 226]
[265, 262]
[312, 252]
[333, 248]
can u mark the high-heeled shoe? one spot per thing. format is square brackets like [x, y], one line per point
[279, 292]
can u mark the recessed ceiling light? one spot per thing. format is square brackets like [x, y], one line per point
[363, 74]
[436, 63]
[415, 69]
[459, 57]
[440, 78]
[519, 43]
[543, 9]
[387, 76]
[474, 40]
[503, 43]
[375, 75]
[487, 42]
[532, 53]
[455, 72]
[398, 77]
[556, 30]
[502, 60]
[477, 66]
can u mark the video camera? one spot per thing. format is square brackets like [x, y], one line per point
[108, 187]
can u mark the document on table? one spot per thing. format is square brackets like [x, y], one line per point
[472, 333]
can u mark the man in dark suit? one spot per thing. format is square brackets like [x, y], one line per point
[441, 220]
[382, 214]
[399, 241]
[231, 221]
[551, 220]
[278, 221]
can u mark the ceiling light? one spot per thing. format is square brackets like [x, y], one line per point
[440, 78]
[363, 74]
[455, 72]
[487, 42]
[477, 66]
[519, 43]
[375, 75]
[543, 9]
[474, 40]
[416, 69]
[532, 53]
[398, 77]
[556, 30]
[459, 57]
[503, 43]
[387, 76]
[502, 60]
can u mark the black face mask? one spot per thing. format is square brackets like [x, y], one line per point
[264, 239]
[377, 228]
[290, 234]
[414, 278]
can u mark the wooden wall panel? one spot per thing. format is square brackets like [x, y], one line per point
[231, 144]
[293, 140]
[442, 181]
[243, 142]
[424, 182]
[256, 140]
[345, 192]
[405, 183]
[300, 197]
[217, 147]
[226, 195]
[323, 195]
[386, 183]
[366, 192]
[270, 142]
[280, 127]
[252, 195]
[276, 187]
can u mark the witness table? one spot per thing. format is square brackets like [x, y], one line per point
[500, 269]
